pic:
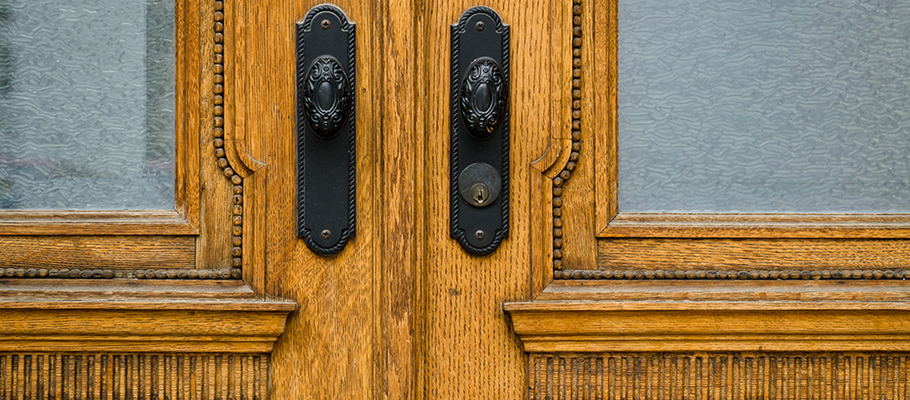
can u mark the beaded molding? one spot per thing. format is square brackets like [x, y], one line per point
[716, 274]
[218, 132]
[76, 273]
[566, 172]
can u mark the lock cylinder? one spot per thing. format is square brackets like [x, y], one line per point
[479, 184]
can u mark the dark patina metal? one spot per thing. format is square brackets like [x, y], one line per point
[483, 98]
[480, 131]
[326, 93]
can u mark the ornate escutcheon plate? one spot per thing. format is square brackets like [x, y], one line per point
[480, 131]
[326, 130]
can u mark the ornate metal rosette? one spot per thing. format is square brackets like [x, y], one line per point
[327, 97]
[483, 98]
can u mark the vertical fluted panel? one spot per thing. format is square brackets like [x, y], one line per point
[133, 376]
[733, 376]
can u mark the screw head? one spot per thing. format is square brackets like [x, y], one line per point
[480, 26]
[480, 234]
[326, 24]
[326, 234]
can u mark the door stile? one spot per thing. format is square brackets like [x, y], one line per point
[399, 279]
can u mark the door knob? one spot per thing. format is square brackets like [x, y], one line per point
[480, 131]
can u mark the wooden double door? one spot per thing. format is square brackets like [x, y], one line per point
[403, 311]
[581, 300]
[220, 298]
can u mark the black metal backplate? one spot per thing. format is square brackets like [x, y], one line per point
[480, 124]
[326, 93]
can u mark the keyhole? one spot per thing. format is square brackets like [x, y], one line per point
[480, 193]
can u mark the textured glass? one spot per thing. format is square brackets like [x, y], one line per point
[764, 106]
[87, 104]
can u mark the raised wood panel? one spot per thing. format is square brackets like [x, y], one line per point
[109, 376]
[761, 226]
[763, 258]
[221, 189]
[572, 190]
[87, 222]
[729, 376]
[102, 253]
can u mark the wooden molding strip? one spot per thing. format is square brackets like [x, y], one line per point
[726, 375]
[762, 226]
[216, 316]
[680, 316]
[574, 155]
[69, 223]
[133, 376]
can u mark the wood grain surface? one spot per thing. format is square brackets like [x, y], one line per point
[330, 348]
[403, 312]
[147, 316]
[146, 376]
[29, 223]
[752, 255]
[760, 226]
[97, 252]
[469, 349]
[697, 315]
[394, 315]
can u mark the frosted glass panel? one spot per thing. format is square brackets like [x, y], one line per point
[87, 104]
[764, 106]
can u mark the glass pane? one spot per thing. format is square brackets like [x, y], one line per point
[87, 104]
[764, 106]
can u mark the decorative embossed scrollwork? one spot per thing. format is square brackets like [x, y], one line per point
[326, 98]
[483, 98]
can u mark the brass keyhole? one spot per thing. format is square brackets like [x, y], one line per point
[480, 193]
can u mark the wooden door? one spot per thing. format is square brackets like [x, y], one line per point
[581, 300]
[402, 312]
[219, 298]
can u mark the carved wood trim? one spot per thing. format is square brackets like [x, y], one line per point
[209, 316]
[588, 316]
[96, 273]
[751, 274]
[80, 376]
[838, 375]
[218, 91]
[566, 172]
[17, 223]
